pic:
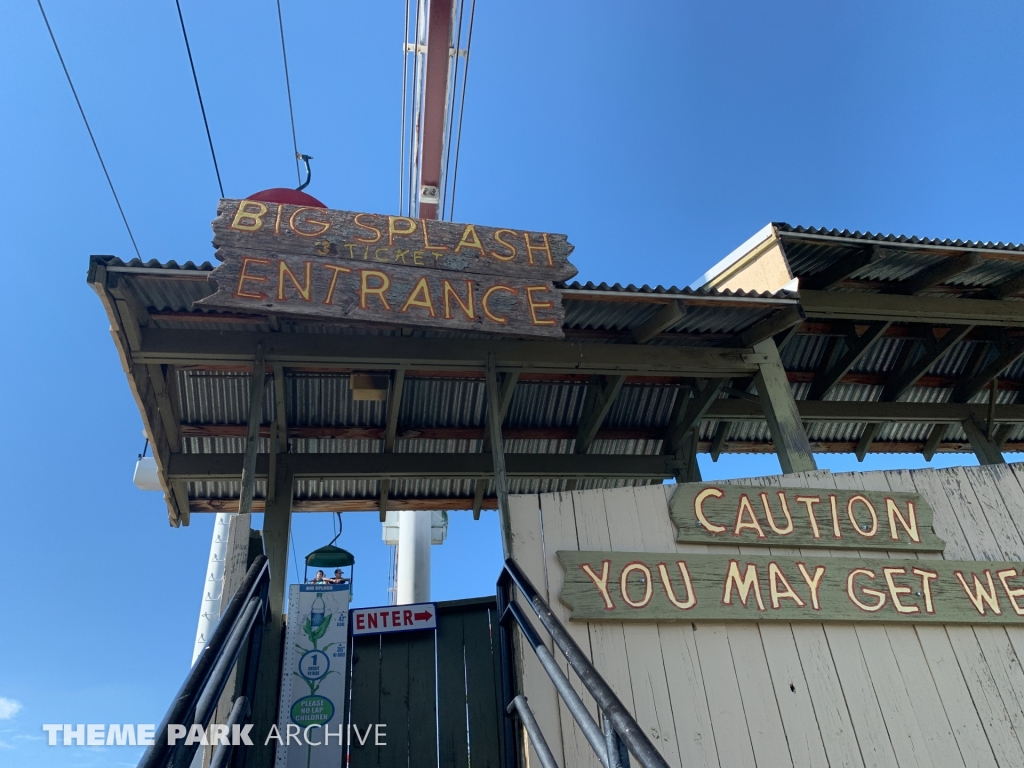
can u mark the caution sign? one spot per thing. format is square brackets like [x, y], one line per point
[393, 618]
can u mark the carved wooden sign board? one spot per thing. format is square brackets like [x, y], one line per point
[625, 586]
[799, 517]
[394, 270]
[724, 585]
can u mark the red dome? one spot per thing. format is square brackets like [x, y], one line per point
[286, 197]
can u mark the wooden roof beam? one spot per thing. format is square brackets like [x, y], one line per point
[1011, 286]
[906, 374]
[941, 272]
[600, 395]
[424, 466]
[788, 319]
[842, 269]
[871, 411]
[506, 386]
[126, 328]
[984, 447]
[394, 405]
[1008, 353]
[937, 310]
[184, 347]
[667, 316]
[834, 370]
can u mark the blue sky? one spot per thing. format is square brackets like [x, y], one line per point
[657, 135]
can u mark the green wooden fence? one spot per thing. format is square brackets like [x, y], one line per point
[437, 692]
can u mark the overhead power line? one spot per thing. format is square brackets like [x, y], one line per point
[85, 120]
[288, 86]
[199, 94]
[462, 105]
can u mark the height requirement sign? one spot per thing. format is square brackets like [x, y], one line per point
[316, 262]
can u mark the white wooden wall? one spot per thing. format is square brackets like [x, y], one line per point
[739, 695]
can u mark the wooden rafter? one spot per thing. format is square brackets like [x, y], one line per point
[838, 365]
[506, 388]
[906, 374]
[394, 406]
[842, 268]
[942, 271]
[663, 319]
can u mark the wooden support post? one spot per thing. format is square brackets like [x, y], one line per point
[866, 439]
[278, 431]
[718, 441]
[984, 448]
[688, 471]
[277, 520]
[252, 435]
[390, 431]
[993, 395]
[498, 449]
[934, 438]
[791, 443]
[508, 384]
[1003, 434]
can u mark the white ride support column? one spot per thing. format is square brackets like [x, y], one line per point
[414, 537]
[209, 610]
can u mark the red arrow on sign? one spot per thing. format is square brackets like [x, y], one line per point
[425, 616]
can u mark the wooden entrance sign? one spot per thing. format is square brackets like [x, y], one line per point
[636, 586]
[394, 270]
[706, 513]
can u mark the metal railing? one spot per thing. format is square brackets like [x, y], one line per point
[198, 696]
[621, 734]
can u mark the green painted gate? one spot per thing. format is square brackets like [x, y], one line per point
[437, 691]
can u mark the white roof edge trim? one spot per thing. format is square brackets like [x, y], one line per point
[762, 234]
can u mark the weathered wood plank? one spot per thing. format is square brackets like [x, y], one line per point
[869, 725]
[559, 526]
[952, 693]
[395, 700]
[695, 735]
[820, 672]
[451, 691]
[715, 669]
[375, 238]
[528, 551]
[998, 723]
[422, 705]
[366, 696]
[627, 516]
[725, 702]
[894, 692]
[384, 293]
[996, 492]
[482, 691]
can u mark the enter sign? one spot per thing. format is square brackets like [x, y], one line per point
[392, 618]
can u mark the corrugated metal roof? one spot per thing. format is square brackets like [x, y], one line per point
[546, 412]
[810, 250]
[910, 239]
